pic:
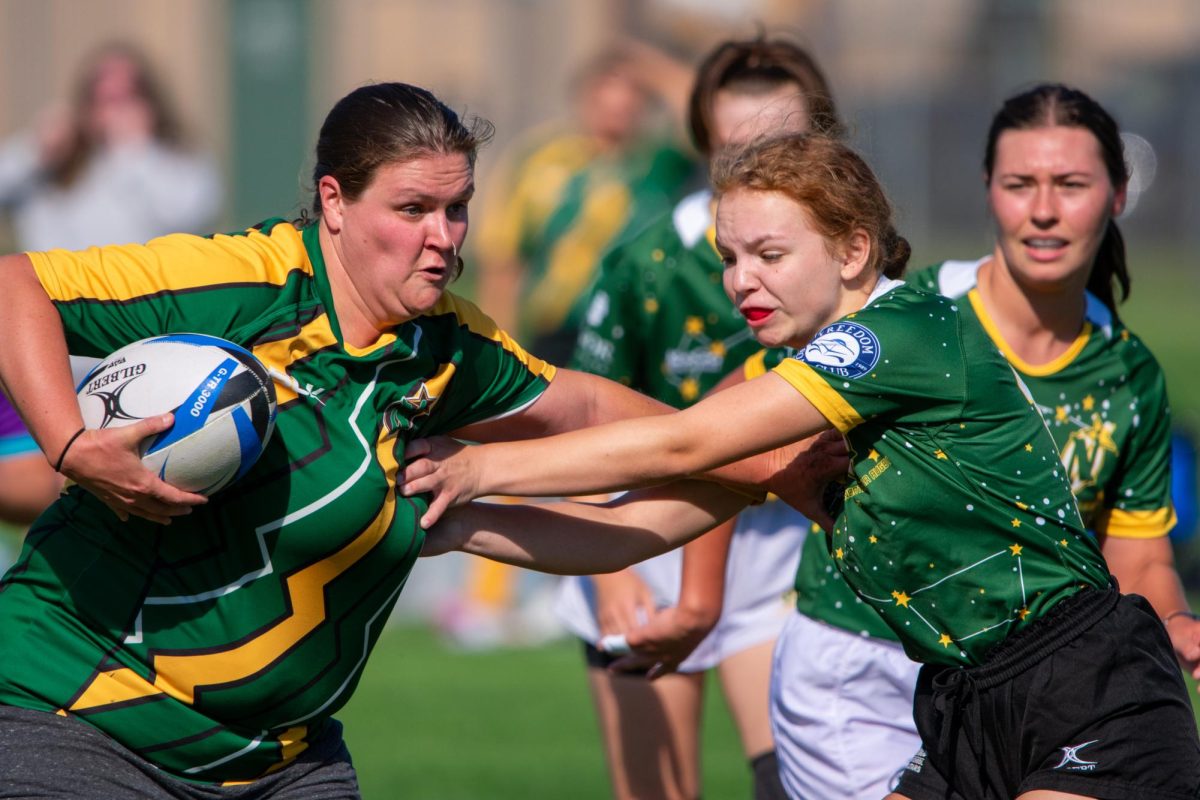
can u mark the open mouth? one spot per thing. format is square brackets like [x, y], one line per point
[1047, 245]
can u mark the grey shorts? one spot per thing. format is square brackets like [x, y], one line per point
[44, 755]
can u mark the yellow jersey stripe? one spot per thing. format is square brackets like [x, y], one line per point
[481, 324]
[814, 388]
[180, 676]
[1136, 524]
[1034, 370]
[175, 263]
[755, 366]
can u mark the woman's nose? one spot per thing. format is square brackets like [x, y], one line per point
[1045, 206]
[439, 234]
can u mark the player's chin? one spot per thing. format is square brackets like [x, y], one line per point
[772, 336]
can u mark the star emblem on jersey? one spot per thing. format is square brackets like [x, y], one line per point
[420, 401]
[403, 414]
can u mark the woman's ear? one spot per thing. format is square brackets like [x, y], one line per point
[856, 254]
[330, 192]
[1120, 196]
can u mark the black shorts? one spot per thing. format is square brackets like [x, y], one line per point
[599, 659]
[1088, 700]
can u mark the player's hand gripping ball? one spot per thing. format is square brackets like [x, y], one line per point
[222, 397]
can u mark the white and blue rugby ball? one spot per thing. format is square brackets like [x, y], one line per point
[222, 397]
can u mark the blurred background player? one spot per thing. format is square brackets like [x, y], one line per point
[110, 168]
[564, 194]
[659, 320]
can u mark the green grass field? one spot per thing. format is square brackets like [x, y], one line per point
[430, 723]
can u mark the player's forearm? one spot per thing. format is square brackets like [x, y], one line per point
[631, 454]
[37, 375]
[576, 538]
[702, 588]
[1147, 567]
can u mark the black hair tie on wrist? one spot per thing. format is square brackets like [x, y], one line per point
[58, 464]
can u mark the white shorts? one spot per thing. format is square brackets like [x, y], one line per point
[841, 711]
[763, 557]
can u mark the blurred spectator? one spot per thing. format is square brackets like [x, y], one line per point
[110, 168]
[27, 483]
[1184, 484]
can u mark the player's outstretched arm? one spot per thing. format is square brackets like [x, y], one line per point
[731, 425]
[37, 378]
[570, 538]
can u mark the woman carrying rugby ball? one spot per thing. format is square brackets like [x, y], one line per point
[146, 661]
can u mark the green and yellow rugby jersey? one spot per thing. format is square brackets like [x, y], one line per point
[562, 205]
[959, 526]
[217, 647]
[658, 318]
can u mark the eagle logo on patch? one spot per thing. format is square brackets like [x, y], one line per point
[846, 349]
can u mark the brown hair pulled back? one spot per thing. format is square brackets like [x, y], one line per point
[388, 123]
[757, 66]
[1053, 104]
[833, 184]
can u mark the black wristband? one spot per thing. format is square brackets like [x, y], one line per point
[1181, 612]
[66, 447]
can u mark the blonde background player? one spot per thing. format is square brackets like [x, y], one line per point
[959, 526]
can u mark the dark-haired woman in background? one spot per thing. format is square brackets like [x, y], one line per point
[1047, 296]
[144, 661]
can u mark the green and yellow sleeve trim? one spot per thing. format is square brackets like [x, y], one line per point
[174, 263]
[755, 366]
[823, 397]
[1151, 524]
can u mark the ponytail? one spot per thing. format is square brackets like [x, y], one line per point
[895, 253]
[1110, 267]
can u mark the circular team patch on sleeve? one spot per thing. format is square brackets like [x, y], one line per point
[846, 349]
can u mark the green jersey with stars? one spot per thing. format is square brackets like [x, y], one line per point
[959, 526]
[217, 647]
[658, 318]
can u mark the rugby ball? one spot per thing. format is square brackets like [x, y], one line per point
[222, 397]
